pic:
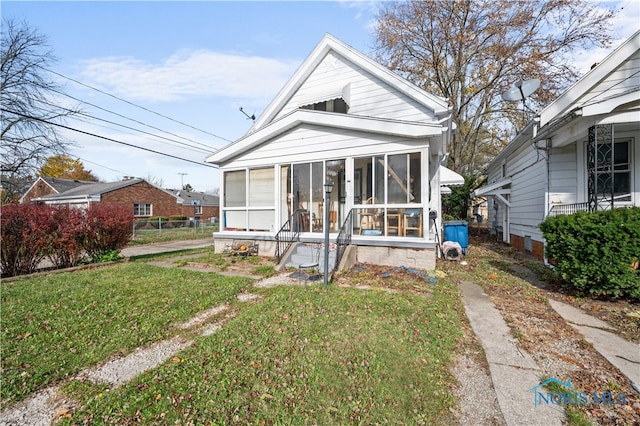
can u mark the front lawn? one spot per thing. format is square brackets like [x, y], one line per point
[56, 325]
[299, 355]
[303, 355]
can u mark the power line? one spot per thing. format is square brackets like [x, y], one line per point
[132, 104]
[135, 121]
[104, 137]
[191, 147]
[103, 166]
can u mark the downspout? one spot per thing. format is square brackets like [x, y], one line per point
[545, 132]
[547, 201]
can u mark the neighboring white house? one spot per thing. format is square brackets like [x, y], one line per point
[581, 152]
[342, 117]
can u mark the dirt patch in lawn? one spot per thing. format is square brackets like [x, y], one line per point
[246, 266]
[389, 278]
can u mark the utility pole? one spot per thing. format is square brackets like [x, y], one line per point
[182, 175]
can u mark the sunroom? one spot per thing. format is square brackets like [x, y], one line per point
[384, 191]
[347, 123]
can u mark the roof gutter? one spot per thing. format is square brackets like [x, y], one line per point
[551, 127]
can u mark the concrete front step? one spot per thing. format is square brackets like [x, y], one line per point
[307, 254]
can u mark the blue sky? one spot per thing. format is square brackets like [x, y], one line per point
[195, 62]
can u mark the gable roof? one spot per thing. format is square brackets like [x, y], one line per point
[408, 129]
[62, 185]
[331, 44]
[185, 197]
[58, 185]
[574, 97]
[94, 190]
[278, 118]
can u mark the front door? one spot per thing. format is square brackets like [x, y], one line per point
[305, 192]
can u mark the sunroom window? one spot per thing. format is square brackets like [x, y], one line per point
[387, 195]
[257, 213]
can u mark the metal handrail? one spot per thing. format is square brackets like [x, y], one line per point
[288, 234]
[343, 239]
[567, 209]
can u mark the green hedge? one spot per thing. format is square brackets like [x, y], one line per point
[597, 253]
[155, 221]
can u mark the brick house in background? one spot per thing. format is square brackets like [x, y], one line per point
[144, 198]
[204, 206]
[47, 186]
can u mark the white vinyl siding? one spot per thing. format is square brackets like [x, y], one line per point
[625, 77]
[528, 186]
[309, 143]
[368, 95]
[563, 177]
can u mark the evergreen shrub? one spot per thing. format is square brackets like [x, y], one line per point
[597, 253]
[156, 221]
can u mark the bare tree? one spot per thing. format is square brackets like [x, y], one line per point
[471, 51]
[28, 133]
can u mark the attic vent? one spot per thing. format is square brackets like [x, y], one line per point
[339, 95]
[333, 105]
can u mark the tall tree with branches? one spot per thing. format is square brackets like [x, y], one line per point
[65, 167]
[28, 109]
[471, 51]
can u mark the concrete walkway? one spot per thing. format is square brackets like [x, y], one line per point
[513, 371]
[167, 247]
[621, 353]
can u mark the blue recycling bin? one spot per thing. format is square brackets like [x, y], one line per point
[457, 231]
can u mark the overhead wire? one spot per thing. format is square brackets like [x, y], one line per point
[92, 117]
[104, 137]
[209, 149]
[101, 165]
[133, 104]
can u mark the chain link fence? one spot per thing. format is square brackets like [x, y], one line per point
[163, 229]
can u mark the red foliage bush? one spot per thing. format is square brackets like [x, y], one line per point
[109, 229]
[24, 238]
[32, 232]
[68, 236]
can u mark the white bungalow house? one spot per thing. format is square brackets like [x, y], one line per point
[377, 138]
[581, 152]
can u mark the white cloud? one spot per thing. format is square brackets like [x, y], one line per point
[188, 74]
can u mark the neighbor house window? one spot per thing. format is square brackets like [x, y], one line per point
[614, 171]
[197, 209]
[142, 209]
